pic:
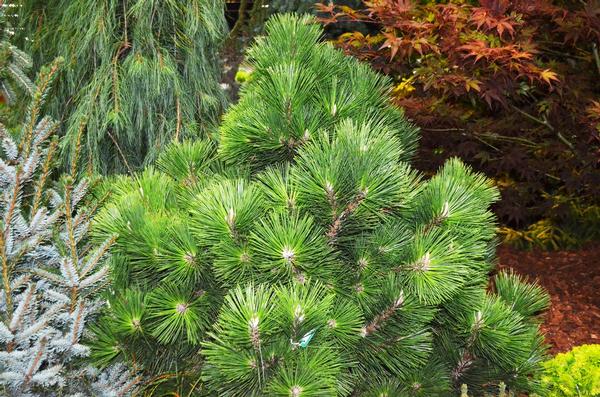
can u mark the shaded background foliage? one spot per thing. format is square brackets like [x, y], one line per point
[512, 87]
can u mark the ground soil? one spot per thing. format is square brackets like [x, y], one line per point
[573, 280]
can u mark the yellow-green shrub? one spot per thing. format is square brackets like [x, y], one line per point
[575, 373]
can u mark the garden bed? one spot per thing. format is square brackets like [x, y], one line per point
[572, 279]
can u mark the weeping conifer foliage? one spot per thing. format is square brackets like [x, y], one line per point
[303, 256]
[14, 65]
[15, 83]
[139, 73]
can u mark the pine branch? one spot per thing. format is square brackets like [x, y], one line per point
[338, 220]
[22, 309]
[78, 316]
[6, 268]
[77, 151]
[69, 219]
[45, 79]
[120, 151]
[438, 220]
[36, 362]
[381, 318]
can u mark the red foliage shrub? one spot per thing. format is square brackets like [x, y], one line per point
[507, 85]
[452, 49]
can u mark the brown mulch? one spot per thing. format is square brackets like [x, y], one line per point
[573, 280]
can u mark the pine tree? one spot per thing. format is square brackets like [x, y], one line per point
[14, 65]
[50, 274]
[14, 68]
[303, 256]
[287, 103]
[139, 73]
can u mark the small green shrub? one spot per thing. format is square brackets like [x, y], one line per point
[575, 373]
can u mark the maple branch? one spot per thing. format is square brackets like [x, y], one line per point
[596, 56]
[490, 135]
[464, 132]
[545, 122]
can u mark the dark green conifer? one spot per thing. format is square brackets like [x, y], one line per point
[303, 256]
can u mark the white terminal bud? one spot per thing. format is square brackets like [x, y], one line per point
[299, 314]
[253, 323]
[328, 187]
[181, 308]
[363, 263]
[478, 320]
[230, 218]
[288, 254]
[400, 300]
[445, 210]
[424, 263]
[296, 391]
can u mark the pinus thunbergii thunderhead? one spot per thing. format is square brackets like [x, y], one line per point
[303, 256]
[139, 72]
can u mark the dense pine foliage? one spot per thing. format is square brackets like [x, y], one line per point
[303, 256]
[138, 73]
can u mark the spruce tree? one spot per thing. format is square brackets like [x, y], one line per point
[139, 73]
[50, 274]
[303, 255]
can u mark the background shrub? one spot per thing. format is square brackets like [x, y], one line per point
[575, 373]
[509, 86]
[138, 73]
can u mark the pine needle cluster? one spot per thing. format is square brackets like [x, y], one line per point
[50, 273]
[139, 73]
[303, 256]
